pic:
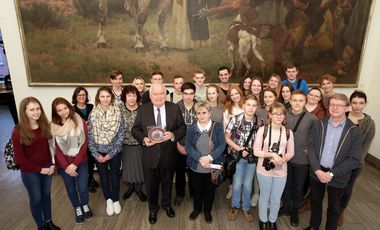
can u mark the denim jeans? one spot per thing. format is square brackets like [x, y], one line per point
[271, 189]
[38, 186]
[243, 177]
[109, 173]
[76, 185]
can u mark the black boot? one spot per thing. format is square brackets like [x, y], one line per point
[129, 192]
[51, 226]
[263, 225]
[272, 226]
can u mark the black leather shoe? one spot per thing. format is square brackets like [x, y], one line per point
[169, 212]
[51, 226]
[141, 196]
[194, 214]
[152, 217]
[272, 226]
[263, 225]
[208, 217]
[128, 193]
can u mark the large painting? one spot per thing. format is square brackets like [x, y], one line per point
[78, 42]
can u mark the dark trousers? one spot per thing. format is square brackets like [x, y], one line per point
[334, 196]
[203, 191]
[348, 190]
[153, 178]
[76, 187]
[180, 175]
[295, 183]
[38, 186]
[109, 173]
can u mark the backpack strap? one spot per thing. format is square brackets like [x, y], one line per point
[299, 83]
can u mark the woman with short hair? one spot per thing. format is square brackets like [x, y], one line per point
[204, 144]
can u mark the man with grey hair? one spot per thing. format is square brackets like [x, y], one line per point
[334, 151]
[159, 155]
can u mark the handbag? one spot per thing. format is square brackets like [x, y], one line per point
[9, 156]
[217, 175]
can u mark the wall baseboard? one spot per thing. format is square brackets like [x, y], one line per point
[375, 162]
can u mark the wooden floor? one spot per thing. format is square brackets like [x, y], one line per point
[362, 213]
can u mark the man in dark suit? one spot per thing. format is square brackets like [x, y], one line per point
[159, 157]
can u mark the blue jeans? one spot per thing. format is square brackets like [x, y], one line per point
[76, 185]
[271, 189]
[109, 173]
[38, 186]
[243, 177]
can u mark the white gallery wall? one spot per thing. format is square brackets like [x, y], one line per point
[369, 79]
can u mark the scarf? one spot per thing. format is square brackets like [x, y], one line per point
[68, 137]
[106, 124]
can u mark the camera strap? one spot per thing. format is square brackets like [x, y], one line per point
[253, 128]
[270, 137]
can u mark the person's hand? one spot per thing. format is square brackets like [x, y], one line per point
[181, 149]
[52, 168]
[244, 153]
[167, 136]
[101, 159]
[45, 171]
[71, 170]
[148, 142]
[324, 177]
[204, 160]
[106, 158]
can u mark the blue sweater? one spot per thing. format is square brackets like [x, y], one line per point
[304, 87]
[218, 139]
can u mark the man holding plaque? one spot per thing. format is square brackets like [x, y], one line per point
[158, 125]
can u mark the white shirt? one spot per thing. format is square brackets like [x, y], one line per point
[163, 115]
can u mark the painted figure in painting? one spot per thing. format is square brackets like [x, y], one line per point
[138, 10]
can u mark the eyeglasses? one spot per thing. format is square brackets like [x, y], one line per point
[337, 106]
[202, 113]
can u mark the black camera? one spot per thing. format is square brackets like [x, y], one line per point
[250, 157]
[267, 164]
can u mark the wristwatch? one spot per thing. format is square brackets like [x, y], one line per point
[331, 174]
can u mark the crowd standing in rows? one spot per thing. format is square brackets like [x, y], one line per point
[289, 143]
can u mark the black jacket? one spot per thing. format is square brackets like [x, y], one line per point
[347, 156]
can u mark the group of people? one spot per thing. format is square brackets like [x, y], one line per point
[285, 139]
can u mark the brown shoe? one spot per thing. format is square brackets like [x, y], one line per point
[248, 216]
[341, 218]
[232, 214]
[306, 205]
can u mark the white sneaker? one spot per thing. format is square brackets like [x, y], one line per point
[110, 209]
[229, 193]
[254, 200]
[117, 207]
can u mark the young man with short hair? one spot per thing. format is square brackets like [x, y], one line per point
[186, 105]
[291, 72]
[199, 82]
[300, 121]
[176, 95]
[224, 75]
[155, 77]
[334, 150]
